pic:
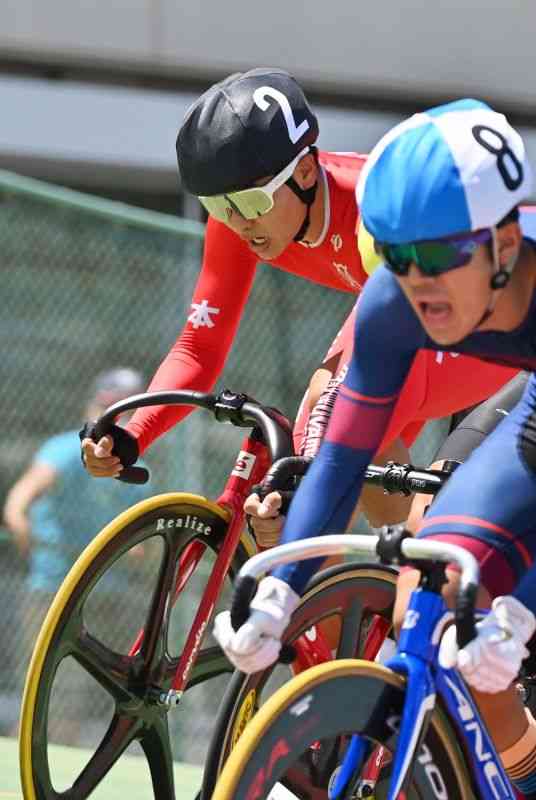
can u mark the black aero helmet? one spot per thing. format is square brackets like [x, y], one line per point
[246, 127]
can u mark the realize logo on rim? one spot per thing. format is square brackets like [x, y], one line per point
[432, 771]
[190, 523]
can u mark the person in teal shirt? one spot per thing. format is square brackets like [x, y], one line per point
[64, 519]
[55, 509]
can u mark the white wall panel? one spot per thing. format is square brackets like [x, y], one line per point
[482, 47]
[98, 28]
[474, 46]
[125, 137]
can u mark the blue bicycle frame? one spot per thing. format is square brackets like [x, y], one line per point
[417, 660]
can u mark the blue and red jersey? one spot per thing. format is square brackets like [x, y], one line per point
[388, 338]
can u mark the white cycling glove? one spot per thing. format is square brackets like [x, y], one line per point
[256, 644]
[492, 661]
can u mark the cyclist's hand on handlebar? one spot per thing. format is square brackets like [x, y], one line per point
[264, 518]
[107, 457]
[98, 458]
[491, 662]
[257, 643]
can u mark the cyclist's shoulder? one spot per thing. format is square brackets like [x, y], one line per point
[383, 292]
[343, 168]
[383, 312]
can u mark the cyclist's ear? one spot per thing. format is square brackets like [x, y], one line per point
[509, 239]
[306, 172]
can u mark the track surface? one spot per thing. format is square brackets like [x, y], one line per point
[129, 778]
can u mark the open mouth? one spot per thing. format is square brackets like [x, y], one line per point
[259, 241]
[435, 313]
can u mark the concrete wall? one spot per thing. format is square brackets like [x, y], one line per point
[387, 47]
[116, 136]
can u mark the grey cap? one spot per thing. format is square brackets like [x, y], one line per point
[114, 384]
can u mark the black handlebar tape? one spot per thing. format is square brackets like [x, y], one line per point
[465, 615]
[124, 446]
[282, 473]
[286, 499]
[285, 494]
[243, 593]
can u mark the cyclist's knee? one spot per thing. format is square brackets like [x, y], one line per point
[450, 591]
[409, 579]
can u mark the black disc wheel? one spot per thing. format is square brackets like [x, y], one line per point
[110, 645]
[345, 602]
[294, 746]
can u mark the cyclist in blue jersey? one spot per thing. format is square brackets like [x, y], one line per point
[440, 196]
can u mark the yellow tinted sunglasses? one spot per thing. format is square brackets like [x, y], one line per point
[250, 203]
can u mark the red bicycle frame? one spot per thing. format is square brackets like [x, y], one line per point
[250, 467]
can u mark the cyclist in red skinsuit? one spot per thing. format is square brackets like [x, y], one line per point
[220, 296]
[440, 385]
[268, 111]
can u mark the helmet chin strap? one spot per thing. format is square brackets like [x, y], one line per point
[500, 277]
[307, 196]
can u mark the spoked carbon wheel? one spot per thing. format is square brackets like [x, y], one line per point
[293, 747]
[110, 644]
[348, 600]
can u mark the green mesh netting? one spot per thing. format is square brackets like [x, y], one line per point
[88, 285]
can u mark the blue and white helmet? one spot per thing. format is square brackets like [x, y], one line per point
[453, 169]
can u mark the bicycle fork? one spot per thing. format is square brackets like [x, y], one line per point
[417, 647]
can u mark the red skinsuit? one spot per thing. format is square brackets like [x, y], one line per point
[438, 384]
